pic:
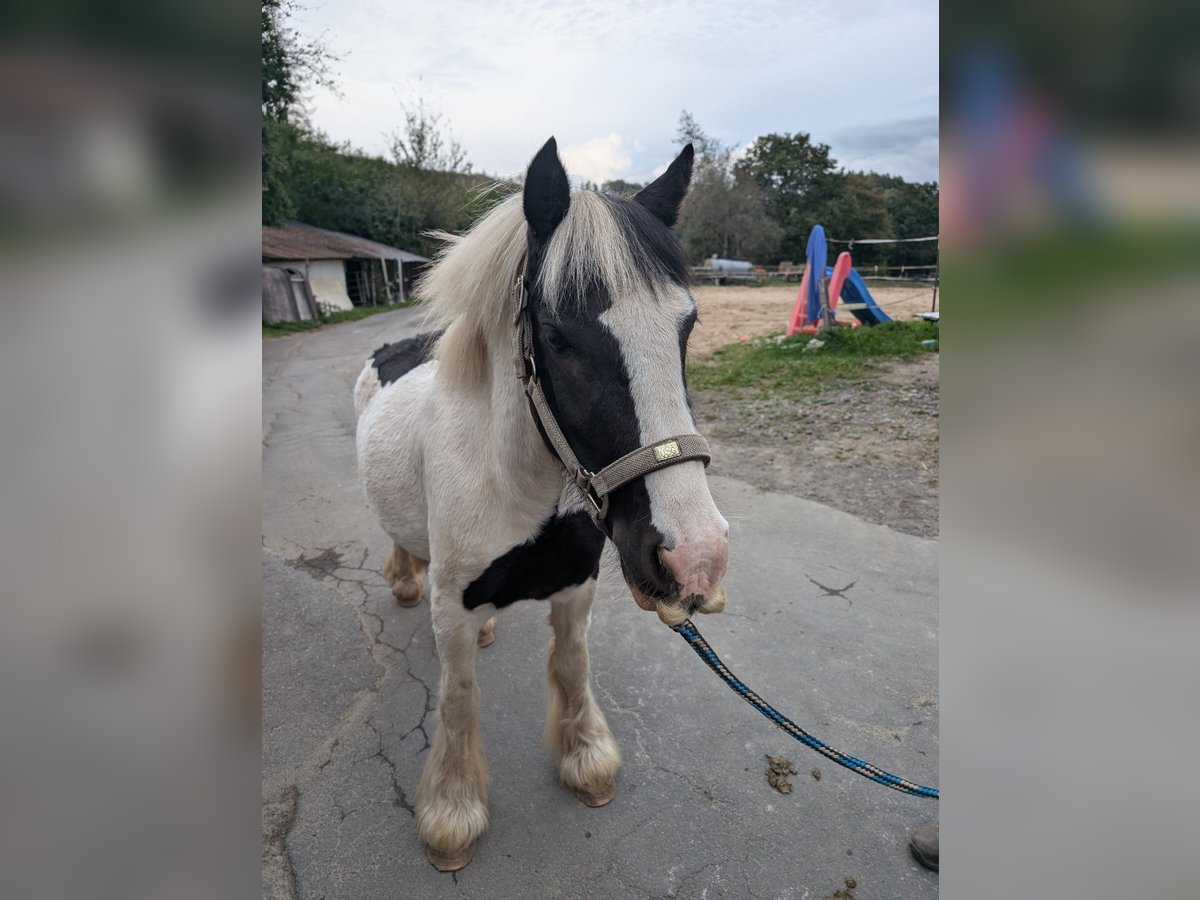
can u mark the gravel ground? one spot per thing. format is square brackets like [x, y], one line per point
[868, 447]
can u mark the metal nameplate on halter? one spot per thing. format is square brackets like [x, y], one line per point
[666, 450]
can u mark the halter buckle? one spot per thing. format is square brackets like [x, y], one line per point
[599, 504]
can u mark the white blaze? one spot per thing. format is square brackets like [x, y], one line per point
[647, 329]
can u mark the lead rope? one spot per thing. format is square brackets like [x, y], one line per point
[865, 769]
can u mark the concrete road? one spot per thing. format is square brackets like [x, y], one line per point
[831, 618]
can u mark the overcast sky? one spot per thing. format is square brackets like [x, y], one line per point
[609, 78]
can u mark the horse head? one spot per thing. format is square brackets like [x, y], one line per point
[609, 315]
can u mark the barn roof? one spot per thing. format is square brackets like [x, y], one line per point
[295, 240]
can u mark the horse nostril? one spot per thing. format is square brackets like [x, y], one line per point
[658, 572]
[660, 559]
[675, 567]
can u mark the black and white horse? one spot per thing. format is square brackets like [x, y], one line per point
[464, 479]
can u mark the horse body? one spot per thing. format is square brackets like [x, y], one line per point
[456, 473]
[463, 479]
[390, 451]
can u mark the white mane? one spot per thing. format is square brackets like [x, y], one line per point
[468, 290]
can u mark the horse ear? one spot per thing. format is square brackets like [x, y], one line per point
[547, 192]
[664, 196]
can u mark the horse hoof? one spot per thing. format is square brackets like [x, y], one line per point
[602, 797]
[450, 862]
[406, 596]
[487, 635]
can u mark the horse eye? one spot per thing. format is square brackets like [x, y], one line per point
[557, 342]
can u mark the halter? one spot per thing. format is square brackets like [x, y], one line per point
[596, 486]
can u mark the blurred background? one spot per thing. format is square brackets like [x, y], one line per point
[129, 434]
[1071, 231]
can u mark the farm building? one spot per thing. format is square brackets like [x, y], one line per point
[306, 268]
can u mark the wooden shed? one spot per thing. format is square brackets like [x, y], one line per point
[306, 268]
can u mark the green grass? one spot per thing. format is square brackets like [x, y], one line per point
[341, 315]
[786, 369]
[1032, 279]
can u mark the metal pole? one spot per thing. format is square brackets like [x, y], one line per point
[823, 294]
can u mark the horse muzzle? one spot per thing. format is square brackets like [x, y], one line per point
[697, 572]
[674, 611]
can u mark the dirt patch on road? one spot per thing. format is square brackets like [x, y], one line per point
[868, 447]
[728, 314]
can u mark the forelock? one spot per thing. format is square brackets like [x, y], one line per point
[609, 244]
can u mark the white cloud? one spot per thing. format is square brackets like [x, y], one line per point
[600, 159]
[905, 147]
[505, 78]
[928, 92]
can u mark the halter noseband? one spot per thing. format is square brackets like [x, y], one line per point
[596, 486]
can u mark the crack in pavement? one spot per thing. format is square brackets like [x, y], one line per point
[676, 891]
[327, 561]
[834, 592]
[612, 869]
[705, 791]
[324, 564]
[278, 870]
[330, 565]
[401, 798]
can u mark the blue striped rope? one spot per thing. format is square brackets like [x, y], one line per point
[865, 769]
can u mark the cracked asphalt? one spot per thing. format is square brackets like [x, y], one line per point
[350, 680]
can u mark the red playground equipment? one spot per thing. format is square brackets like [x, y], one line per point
[816, 303]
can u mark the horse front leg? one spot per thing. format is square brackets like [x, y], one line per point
[451, 805]
[577, 733]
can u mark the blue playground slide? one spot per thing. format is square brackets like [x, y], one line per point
[855, 291]
[816, 254]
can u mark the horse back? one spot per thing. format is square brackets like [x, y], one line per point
[390, 363]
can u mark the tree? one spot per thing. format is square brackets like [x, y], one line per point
[789, 164]
[622, 187]
[855, 206]
[726, 217]
[289, 63]
[688, 131]
[915, 212]
[871, 205]
[279, 88]
[722, 214]
[805, 188]
[307, 176]
[279, 141]
[337, 187]
[796, 176]
[429, 189]
[426, 143]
